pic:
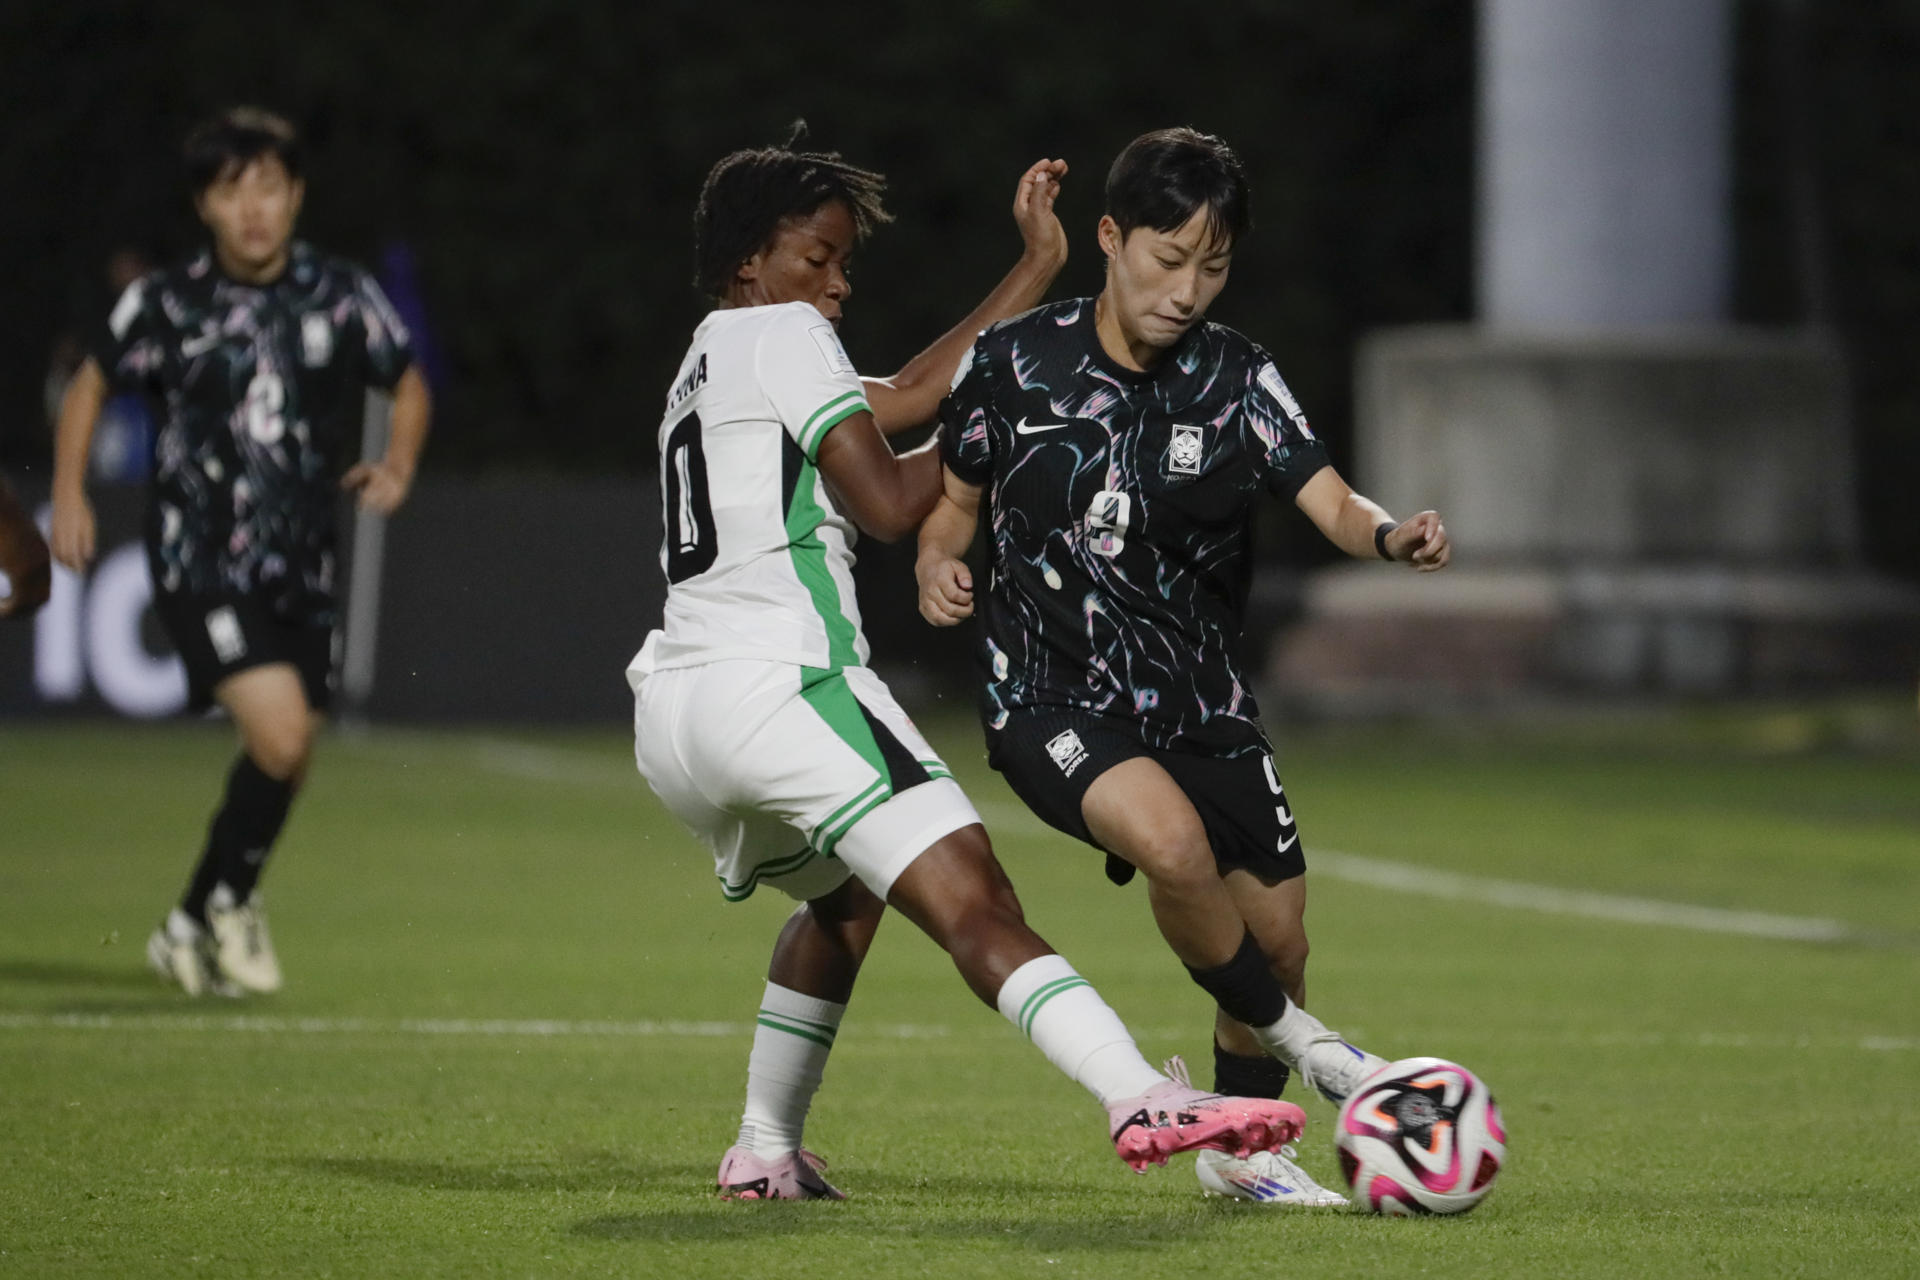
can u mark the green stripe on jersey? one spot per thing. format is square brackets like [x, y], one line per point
[1031, 1009]
[804, 518]
[826, 418]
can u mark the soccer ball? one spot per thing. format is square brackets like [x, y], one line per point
[1422, 1135]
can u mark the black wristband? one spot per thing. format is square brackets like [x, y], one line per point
[1380, 532]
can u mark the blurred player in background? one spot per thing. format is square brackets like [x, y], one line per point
[258, 351]
[756, 718]
[26, 575]
[1125, 441]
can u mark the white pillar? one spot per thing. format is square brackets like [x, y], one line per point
[1605, 132]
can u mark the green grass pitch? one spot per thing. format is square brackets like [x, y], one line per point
[514, 1036]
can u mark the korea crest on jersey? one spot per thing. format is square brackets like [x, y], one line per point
[1184, 451]
[316, 339]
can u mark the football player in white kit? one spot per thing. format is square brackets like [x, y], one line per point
[756, 718]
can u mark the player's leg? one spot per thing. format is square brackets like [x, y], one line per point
[277, 728]
[809, 982]
[239, 658]
[712, 744]
[922, 848]
[1140, 811]
[278, 723]
[1275, 915]
[1255, 838]
[1093, 778]
[957, 893]
[1136, 810]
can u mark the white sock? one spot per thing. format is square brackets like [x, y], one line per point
[1291, 1037]
[790, 1047]
[1065, 1017]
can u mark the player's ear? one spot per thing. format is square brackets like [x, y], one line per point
[1110, 237]
[749, 269]
[298, 193]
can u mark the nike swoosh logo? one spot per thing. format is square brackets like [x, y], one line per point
[1025, 428]
[1287, 843]
[191, 348]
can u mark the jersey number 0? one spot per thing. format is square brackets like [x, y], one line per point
[690, 540]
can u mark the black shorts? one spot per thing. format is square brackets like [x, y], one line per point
[1050, 757]
[221, 636]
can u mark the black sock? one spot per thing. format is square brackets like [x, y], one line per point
[1245, 986]
[1236, 1076]
[242, 834]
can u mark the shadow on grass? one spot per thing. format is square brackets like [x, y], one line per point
[120, 975]
[595, 1171]
[1058, 1223]
[1032, 1212]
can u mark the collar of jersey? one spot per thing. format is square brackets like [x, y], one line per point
[298, 252]
[1112, 367]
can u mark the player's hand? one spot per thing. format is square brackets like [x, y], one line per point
[946, 591]
[381, 485]
[1421, 541]
[1033, 210]
[72, 531]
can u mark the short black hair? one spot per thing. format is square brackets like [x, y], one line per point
[748, 194]
[1163, 178]
[238, 136]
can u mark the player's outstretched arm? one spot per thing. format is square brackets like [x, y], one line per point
[73, 529]
[1352, 522]
[946, 584]
[385, 484]
[887, 494]
[910, 397]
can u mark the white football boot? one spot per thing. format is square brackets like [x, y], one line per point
[1265, 1177]
[243, 948]
[183, 953]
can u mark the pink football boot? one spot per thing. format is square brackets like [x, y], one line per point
[1173, 1116]
[793, 1176]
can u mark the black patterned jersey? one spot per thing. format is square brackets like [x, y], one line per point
[1119, 506]
[260, 392]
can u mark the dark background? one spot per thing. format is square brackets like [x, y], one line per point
[541, 161]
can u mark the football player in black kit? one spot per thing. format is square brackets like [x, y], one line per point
[1121, 443]
[258, 353]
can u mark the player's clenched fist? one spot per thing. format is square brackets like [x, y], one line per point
[946, 590]
[1420, 541]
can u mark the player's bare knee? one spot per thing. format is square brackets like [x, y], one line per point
[281, 751]
[1289, 962]
[1174, 855]
[850, 914]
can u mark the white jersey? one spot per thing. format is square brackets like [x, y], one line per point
[759, 562]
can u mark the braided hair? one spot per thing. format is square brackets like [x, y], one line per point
[748, 194]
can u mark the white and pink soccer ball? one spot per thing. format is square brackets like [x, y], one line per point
[1423, 1135]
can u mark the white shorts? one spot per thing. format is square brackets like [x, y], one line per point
[795, 777]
